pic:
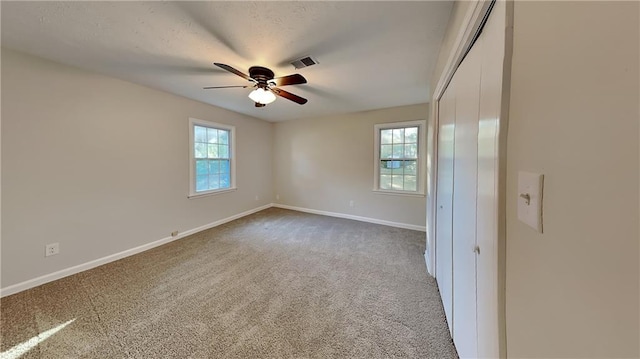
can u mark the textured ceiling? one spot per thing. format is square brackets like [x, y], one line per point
[371, 54]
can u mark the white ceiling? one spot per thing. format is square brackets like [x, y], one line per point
[371, 54]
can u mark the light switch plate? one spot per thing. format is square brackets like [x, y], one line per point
[530, 186]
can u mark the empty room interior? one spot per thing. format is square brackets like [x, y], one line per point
[322, 179]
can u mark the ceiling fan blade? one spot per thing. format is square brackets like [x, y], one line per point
[289, 96]
[222, 87]
[289, 80]
[234, 71]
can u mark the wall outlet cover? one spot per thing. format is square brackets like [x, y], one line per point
[51, 249]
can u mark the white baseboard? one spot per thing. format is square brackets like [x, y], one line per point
[357, 218]
[12, 289]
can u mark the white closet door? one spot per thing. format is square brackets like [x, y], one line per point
[444, 215]
[492, 42]
[467, 84]
[468, 194]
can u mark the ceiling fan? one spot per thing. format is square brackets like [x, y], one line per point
[265, 85]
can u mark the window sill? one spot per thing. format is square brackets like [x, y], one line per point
[212, 193]
[399, 193]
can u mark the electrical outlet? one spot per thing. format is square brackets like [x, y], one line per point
[277, 197]
[257, 198]
[51, 249]
[352, 203]
[174, 233]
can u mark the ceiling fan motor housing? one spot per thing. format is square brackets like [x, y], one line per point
[260, 74]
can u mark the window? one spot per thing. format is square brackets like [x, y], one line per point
[399, 154]
[212, 157]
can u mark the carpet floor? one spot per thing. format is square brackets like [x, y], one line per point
[275, 284]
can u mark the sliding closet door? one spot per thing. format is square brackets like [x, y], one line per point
[444, 214]
[467, 83]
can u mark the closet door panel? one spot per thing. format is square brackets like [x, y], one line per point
[492, 39]
[467, 84]
[444, 215]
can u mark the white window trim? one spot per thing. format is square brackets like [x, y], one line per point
[421, 163]
[232, 158]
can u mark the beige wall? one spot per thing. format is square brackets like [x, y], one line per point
[101, 166]
[573, 291]
[323, 163]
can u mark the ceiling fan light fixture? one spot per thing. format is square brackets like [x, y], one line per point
[262, 96]
[266, 86]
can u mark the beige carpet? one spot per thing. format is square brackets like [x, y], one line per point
[276, 284]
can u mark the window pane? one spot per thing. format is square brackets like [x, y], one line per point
[224, 166]
[223, 137]
[398, 151]
[384, 168]
[411, 151]
[225, 180]
[397, 182]
[213, 151]
[200, 134]
[410, 183]
[398, 168]
[211, 148]
[385, 136]
[385, 182]
[411, 135]
[202, 183]
[410, 168]
[386, 151]
[398, 165]
[398, 135]
[214, 166]
[201, 167]
[212, 135]
[223, 151]
[214, 181]
[200, 150]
